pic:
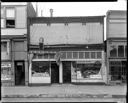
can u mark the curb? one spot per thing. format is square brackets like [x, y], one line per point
[65, 96]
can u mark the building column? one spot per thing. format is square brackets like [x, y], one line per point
[26, 72]
[60, 73]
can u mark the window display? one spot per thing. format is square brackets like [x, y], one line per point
[86, 70]
[40, 69]
[5, 71]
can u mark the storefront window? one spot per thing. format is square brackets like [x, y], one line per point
[5, 71]
[120, 51]
[86, 70]
[40, 69]
[113, 51]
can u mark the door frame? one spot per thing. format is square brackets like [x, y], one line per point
[15, 64]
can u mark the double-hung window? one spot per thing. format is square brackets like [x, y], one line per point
[10, 17]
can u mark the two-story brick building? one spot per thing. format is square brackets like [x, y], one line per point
[116, 45]
[73, 50]
[14, 58]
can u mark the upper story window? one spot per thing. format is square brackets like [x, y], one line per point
[10, 18]
[120, 51]
[113, 51]
[10, 13]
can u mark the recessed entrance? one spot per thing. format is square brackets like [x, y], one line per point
[54, 73]
[19, 73]
[66, 72]
[118, 71]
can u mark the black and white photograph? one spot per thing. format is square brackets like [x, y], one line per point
[64, 52]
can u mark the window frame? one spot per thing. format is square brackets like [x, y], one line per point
[10, 18]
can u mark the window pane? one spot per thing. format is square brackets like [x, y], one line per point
[10, 23]
[51, 56]
[120, 51]
[86, 54]
[69, 55]
[63, 55]
[4, 46]
[10, 12]
[126, 51]
[81, 55]
[98, 54]
[2, 23]
[113, 51]
[93, 55]
[40, 69]
[75, 55]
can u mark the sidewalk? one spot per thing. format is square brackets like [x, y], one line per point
[65, 91]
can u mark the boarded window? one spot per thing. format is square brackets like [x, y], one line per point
[120, 51]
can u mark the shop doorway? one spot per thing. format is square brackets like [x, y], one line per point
[118, 71]
[19, 73]
[66, 72]
[54, 73]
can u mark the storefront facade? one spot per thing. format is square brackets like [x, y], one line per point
[14, 58]
[116, 46]
[73, 50]
[78, 67]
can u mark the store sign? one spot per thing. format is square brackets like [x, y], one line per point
[6, 65]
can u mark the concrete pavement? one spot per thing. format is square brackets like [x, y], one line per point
[65, 91]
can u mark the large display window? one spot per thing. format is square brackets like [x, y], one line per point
[40, 72]
[86, 70]
[5, 71]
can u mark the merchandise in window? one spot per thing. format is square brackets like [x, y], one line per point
[5, 71]
[87, 70]
[40, 69]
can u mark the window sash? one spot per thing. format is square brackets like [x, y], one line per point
[10, 13]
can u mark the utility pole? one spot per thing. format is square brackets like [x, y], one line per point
[36, 9]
